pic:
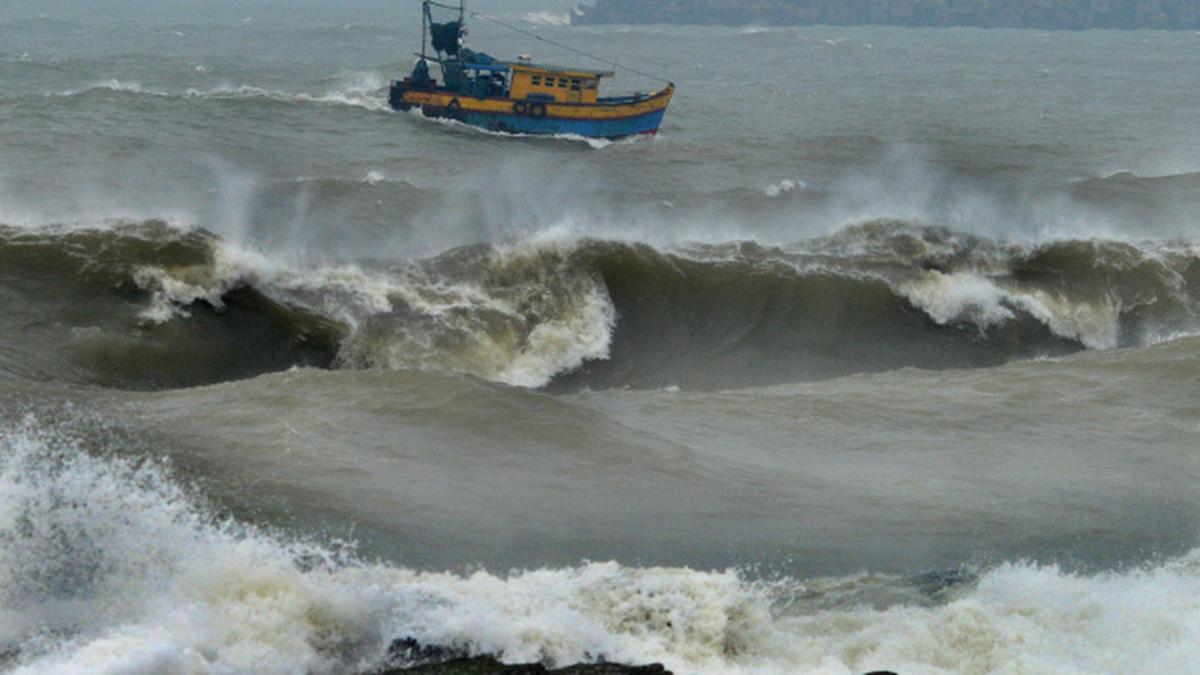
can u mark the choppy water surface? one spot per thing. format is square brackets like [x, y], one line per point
[884, 354]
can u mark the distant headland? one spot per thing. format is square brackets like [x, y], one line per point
[1042, 14]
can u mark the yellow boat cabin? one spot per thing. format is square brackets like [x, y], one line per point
[564, 85]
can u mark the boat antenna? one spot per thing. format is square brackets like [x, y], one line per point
[463, 12]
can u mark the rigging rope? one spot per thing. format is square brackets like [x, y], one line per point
[529, 33]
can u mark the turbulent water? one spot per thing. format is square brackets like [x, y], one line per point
[885, 354]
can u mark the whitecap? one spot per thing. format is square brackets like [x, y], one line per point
[784, 186]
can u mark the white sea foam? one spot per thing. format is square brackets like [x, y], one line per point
[107, 566]
[546, 18]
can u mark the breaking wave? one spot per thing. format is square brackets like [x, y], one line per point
[360, 90]
[762, 30]
[108, 565]
[876, 296]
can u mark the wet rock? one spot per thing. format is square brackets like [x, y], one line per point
[486, 665]
[479, 665]
[410, 651]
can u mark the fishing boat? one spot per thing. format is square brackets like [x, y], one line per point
[518, 97]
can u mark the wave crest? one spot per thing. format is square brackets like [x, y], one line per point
[592, 313]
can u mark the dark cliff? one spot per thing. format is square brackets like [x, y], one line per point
[1044, 14]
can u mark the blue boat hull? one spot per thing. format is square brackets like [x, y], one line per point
[610, 128]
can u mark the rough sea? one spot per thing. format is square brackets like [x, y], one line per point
[883, 354]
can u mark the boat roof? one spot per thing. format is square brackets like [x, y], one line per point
[565, 70]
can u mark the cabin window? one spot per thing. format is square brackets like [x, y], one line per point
[549, 81]
[575, 84]
[591, 83]
[537, 80]
[562, 83]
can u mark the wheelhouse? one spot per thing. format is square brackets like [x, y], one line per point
[561, 85]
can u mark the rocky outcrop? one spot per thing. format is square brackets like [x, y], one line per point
[1042, 14]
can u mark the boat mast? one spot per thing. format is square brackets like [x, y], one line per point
[462, 16]
[424, 26]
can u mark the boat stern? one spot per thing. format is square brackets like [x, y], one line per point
[396, 95]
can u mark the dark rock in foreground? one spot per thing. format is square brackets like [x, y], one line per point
[486, 665]
[435, 660]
